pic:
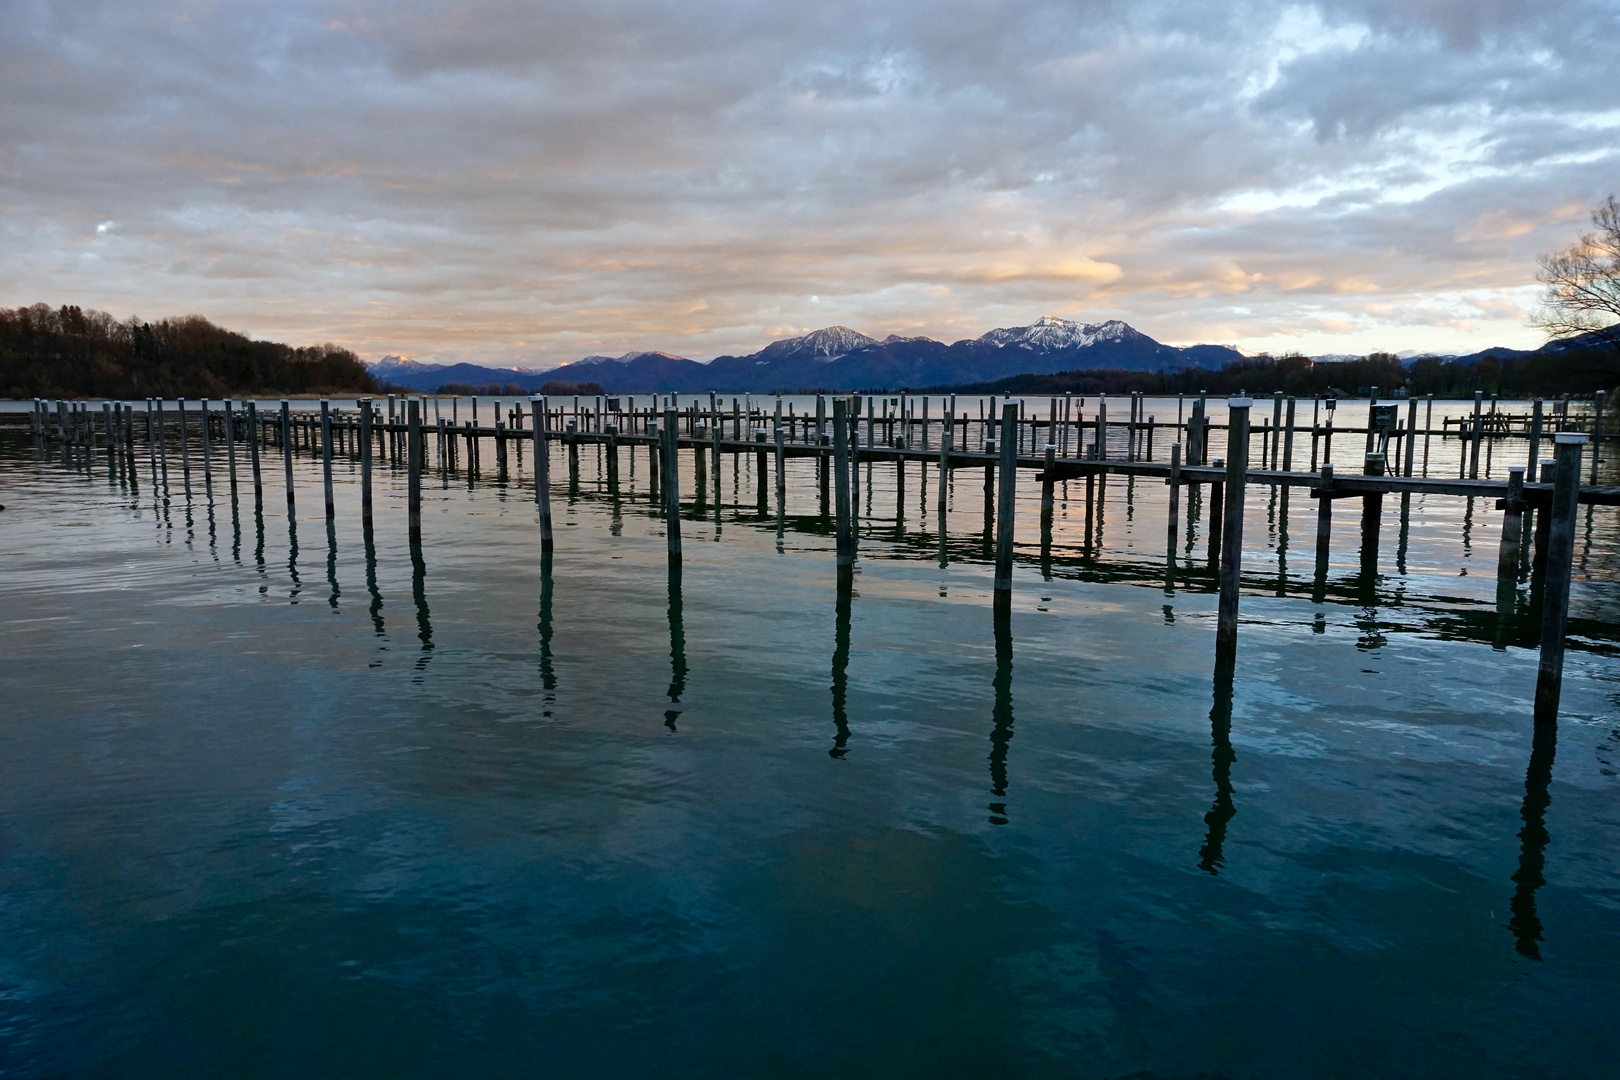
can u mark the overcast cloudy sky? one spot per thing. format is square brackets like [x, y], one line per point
[527, 183]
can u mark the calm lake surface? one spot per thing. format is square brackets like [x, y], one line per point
[274, 802]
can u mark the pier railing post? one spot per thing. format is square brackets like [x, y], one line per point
[1008, 447]
[1560, 560]
[1237, 474]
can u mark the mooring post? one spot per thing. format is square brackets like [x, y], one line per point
[208, 445]
[1047, 485]
[185, 447]
[1535, 442]
[1276, 425]
[1597, 432]
[781, 459]
[1411, 435]
[1560, 559]
[230, 442]
[672, 482]
[1324, 519]
[1476, 430]
[1288, 438]
[540, 413]
[1174, 481]
[326, 457]
[1237, 474]
[1372, 514]
[1217, 514]
[844, 527]
[414, 453]
[1004, 511]
[947, 438]
[1512, 507]
[287, 450]
[365, 464]
[254, 430]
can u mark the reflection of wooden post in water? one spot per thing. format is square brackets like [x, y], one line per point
[1533, 839]
[1237, 474]
[1004, 523]
[677, 628]
[840, 666]
[1560, 559]
[1001, 715]
[1211, 857]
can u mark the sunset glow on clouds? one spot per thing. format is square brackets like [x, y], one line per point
[520, 183]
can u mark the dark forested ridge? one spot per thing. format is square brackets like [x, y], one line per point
[70, 352]
[1578, 371]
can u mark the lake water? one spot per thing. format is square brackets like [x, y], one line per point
[277, 802]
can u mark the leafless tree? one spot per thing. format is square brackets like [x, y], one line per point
[1582, 294]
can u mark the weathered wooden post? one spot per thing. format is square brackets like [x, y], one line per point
[1372, 514]
[1276, 426]
[540, 413]
[230, 443]
[947, 437]
[1560, 558]
[1476, 430]
[1512, 507]
[365, 464]
[1004, 523]
[672, 482]
[845, 529]
[287, 450]
[415, 452]
[326, 458]
[185, 447]
[207, 447]
[1288, 438]
[1047, 486]
[254, 431]
[1237, 474]
[1597, 432]
[1535, 442]
[1324, 519]
[1175, 498]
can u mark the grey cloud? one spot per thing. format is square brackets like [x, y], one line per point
[452, 179]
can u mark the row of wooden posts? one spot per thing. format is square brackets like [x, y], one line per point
[402, 435]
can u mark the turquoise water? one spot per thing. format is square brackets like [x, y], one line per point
[277, 802]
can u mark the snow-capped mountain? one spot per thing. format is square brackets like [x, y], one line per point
[828, 343]
[1048, 334]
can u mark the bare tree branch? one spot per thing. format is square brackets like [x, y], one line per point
[1582, 294]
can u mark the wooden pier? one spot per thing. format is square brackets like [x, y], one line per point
[1539, 498]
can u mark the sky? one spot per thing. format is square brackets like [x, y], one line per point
[528, 183]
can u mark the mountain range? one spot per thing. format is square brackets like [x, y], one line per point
[838, 358]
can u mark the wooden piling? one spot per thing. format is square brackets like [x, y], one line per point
[1597, 432]
[845, 530]
[1535, 442]
[1560, 559]
[1512, 507]
[1476, 431]
[254, 433]
[415, 451]
[1237, 474]
[540, 414]
[1174, 528]
[230, 443]
[287, 450]
[1324, 519]
[1372, 515]
[1048, 486]
[1004, 521]
[672, 483]
[326, 458]
[185, 447]
[365, 464]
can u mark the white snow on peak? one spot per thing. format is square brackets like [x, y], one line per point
[828, 343]
[402, 363]
[1050, 333]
